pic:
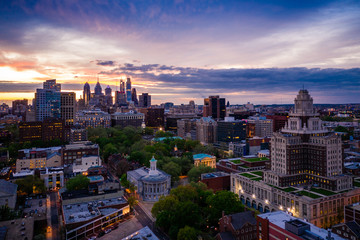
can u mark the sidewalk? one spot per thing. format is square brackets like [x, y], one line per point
[146, 207]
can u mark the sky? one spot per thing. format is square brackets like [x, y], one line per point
[246, 51]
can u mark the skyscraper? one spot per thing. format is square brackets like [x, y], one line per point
[134, 97]
[128, 90]
[145, 100]
[51, 84]
[108, 96]
[68, 106]
[86, 93]
[98, 89]
[214, 107]
[120, 96]
[48, 101]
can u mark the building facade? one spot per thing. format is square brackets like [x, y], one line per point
[206, 130]
[151, 183]
[8, 193]
[306, 171]
[68, 107]
[214, 107]
[127, 119]
[93, 118]
[145, 100]
[231, 130]
[204, 160]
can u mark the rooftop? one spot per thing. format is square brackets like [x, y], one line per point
[8, 187]
[214, 175]
[144, 233]
[86, 144]
[79, 212]
[201, 156]
[279, 218]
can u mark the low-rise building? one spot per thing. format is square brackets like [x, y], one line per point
[281, 225]
[131, 118]
[347, 230]
[241, 226]
[144, 233]
[52, 160]
[53, 177]
[93, 118]
[88, 215]
[77, 150]
[8, 193]
[217, 181]
[151, 183]
[204, 160]
[84, 163]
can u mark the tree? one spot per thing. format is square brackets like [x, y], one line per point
[195, 173]
[40, 237]
[148, 131]
[173, 169]
[226, 201]
[122, 167]
[30, 185]
[7, 213]
[124, 182]
[164, 204]
[132, 201]
[77, 183]
[187, 233]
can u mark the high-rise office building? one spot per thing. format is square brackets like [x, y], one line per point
[306, 174]
[145, 100]
[68, 107]
[128, 90]
[48, 101]
[231, 130]
[206, 130]
[51, 84]
[134, 97]
[120, 96]
[98, 89]
[214, 107]
[86, 93]
[108, 96]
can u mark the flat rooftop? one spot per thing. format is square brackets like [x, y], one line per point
[279, 218]
[79, 212]
[214, 175]
[82, 145]
[144, 233]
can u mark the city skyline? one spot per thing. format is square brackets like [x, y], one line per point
[257, 52]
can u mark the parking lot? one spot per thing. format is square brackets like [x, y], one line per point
[34, 209]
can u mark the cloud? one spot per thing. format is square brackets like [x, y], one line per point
[105, 63]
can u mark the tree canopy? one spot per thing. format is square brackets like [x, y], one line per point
[77, 183]
[30, 185]
[189, 206]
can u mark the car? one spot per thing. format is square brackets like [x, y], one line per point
[107, 230]
[115, 226]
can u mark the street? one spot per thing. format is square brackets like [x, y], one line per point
[55, 228]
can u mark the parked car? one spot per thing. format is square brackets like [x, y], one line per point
[107, 230]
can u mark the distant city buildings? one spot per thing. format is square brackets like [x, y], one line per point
[145, 100]
[93, 118]
[214, 107]
[131, 118]
[48, 101]
[206, 130]
[231, 130]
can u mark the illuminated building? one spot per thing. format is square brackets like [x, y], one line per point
[306, 177]
[77, 150]
[127, 119]
[46, 130]
[52, 160]
[204, 160]
[48, 101]
[263, 126]
[128, 90]
[53, 177]
[151, 183]
[86, 93]
[68, 107]
[231, 130]
[93, 118]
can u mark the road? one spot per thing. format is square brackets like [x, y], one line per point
[146, 221]
[54, 216]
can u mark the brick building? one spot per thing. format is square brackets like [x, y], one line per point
[216, 181]
[241, 226]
